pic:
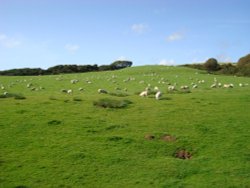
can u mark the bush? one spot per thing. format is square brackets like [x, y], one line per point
[244, 66]
[211, 65]
[111, 103]
[244, 61]
[13, 95]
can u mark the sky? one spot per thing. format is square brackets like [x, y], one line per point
[45, 33]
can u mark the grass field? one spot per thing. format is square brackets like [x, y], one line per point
[54, 139]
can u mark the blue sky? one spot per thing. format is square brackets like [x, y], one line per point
[45, 33]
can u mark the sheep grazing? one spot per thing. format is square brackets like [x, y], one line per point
[80, 89]
[241, 85]
[184, 87]
[228, 85]
[29, 85]
[195, 86]
[74, 81]
[70, 91]
[213, 86]
[144, 94]
[102, 91]
[158, 95]
[5, 93]
[156, 88]
[171, 88]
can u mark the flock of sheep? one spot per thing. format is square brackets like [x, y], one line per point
[149, 90]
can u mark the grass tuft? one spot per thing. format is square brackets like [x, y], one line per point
[54, 122]
[111, 103]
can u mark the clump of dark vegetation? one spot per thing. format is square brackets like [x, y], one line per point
[168, 138]
[114, 138]
[62, 69]
[53, 98]
[182, 154]
[13, 95]
[21, 186]
[241, 68]
[111, 103]
[78, 99]
[149, 137]
[54, 122]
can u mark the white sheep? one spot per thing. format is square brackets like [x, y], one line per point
[158, 95]
[195, 86]
[228, 85]
[185, 87]
[102, 91]
[171, 88]
[70, 91]
[213, 86]
[144, 94]
[74, 81]
[156, 88]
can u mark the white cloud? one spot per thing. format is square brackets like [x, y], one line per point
[8, 42]
[139, 28]
[166, 62]
[72, 48]
[175, 36]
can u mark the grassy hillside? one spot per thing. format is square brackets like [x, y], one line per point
[54, 139]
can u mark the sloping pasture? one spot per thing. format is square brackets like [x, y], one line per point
[54, 139]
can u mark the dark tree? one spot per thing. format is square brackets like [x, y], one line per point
[211, 65]
[121, 64]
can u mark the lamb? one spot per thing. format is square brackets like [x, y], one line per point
[184, 87]
[195, 86]
[70, 91]
[171, 88]
[228, 85]
[102, 91]
[158, 95]
[213, 86]
[144, 94]
[74, 81]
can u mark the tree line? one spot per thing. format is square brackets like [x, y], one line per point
[62, 69]
[241, 68]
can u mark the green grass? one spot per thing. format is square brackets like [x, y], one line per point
[53, 139]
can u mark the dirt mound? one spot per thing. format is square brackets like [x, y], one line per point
[168, 138]
[149, 137]
[183, 154]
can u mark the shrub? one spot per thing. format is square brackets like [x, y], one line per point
[244, 66]
[13, 95]
[211, 65]
[78, 99]
[111, 103]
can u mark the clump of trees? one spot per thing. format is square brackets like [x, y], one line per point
[211, 65]
[241, 68]
[62, 69]
[243, 65]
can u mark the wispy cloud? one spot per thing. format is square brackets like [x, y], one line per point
[72, 48]
[166, 62]
[175, 36]
[139, 28]
[8, 42]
